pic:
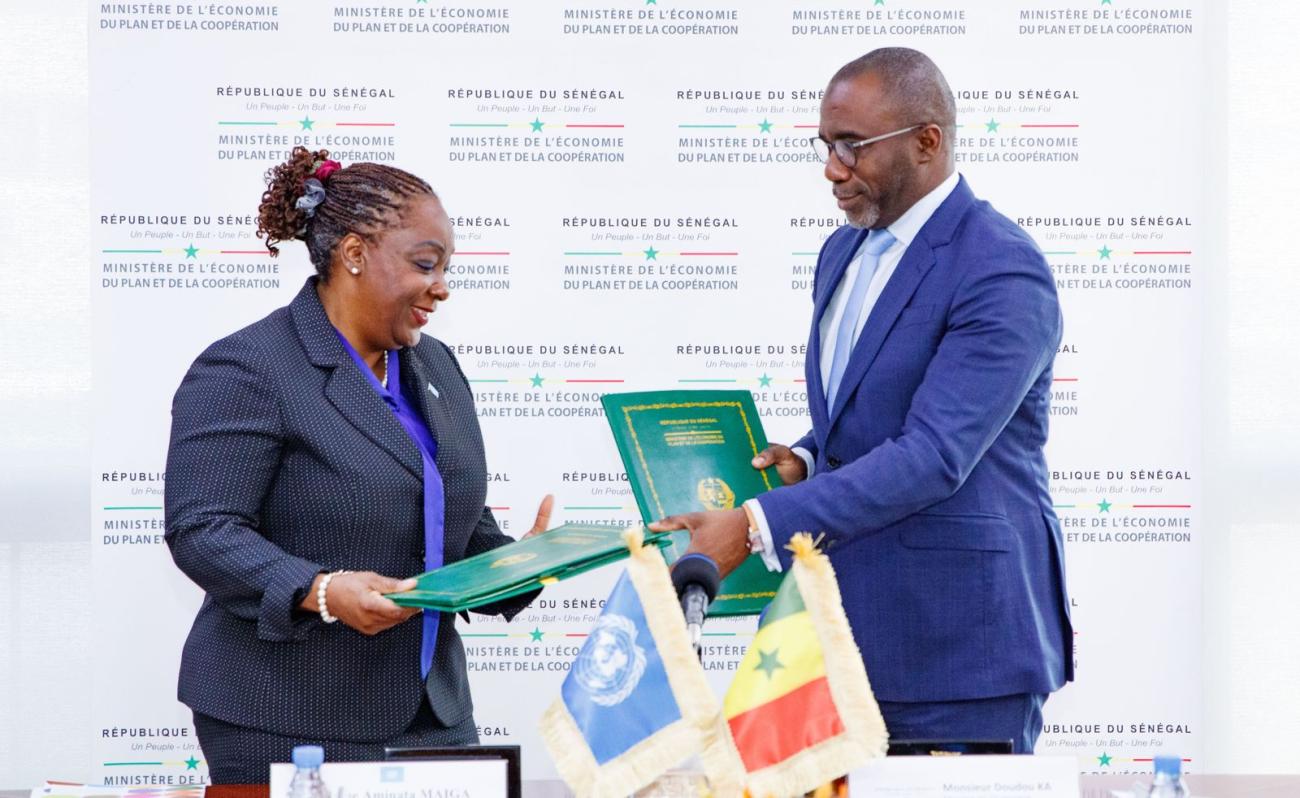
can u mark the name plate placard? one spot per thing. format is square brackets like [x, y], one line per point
[448, 778]
[983, 776]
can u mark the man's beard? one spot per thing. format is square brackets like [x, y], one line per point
[895, 185]
[865, 218]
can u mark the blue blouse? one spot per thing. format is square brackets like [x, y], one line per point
[418, 430]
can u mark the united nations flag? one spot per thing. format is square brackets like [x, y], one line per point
[636, 702]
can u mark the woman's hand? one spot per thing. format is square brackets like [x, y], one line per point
[543, 520]
[356, 600]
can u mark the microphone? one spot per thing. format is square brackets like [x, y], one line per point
[696, 579]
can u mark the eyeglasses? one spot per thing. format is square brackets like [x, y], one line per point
[847, 151]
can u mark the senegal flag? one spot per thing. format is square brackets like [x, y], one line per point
[800, 709]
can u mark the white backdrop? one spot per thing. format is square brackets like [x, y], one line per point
[1136, 372]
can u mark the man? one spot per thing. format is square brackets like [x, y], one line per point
[935, 323]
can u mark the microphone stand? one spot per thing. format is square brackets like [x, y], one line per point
[696, 579]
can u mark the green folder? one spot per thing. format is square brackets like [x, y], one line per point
[520, 567]
[690, 450]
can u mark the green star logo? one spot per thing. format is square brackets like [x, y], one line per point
[537, 125]
[765, 126]
[536, 635]
[1104, 252]
[768, 662]
[1103, 760]
[652, 2]
[191, 251]
[992, 126]
[764, 381]
[1105, 2]
[536, 380]
[306, 122]
[1103, 506]
[651, 253]
[191, 763]
[880, 2]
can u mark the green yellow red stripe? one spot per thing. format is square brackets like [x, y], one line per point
[779, 729]
[783, 657]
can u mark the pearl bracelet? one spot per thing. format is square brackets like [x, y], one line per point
[321, 604]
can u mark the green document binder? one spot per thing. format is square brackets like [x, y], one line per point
[690, 450]
[519, 567]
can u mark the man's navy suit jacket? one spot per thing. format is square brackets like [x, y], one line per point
[284, 462]
[930, 483]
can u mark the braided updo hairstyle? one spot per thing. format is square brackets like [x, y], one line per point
[362, 198]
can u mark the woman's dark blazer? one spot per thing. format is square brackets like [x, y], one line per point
[284, 463]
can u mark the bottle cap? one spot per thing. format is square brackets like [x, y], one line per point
[308, 756]
[1170, 765]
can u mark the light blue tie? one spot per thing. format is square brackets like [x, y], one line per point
[877, 242]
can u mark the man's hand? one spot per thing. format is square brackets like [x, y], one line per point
[356, 599]
[721, 535]
[789, 466]
[543, 519]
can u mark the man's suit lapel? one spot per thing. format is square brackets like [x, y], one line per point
[838, 262]
[346, 388]
[902, 284]
[916, 263]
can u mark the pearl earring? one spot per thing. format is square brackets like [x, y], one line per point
[355, 270]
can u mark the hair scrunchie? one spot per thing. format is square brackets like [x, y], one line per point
[313, 195]
[313, 189]
[326, 168]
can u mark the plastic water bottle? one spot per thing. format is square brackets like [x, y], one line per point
[1168, 781]
[307, 782]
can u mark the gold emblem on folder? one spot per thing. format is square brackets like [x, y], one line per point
[514, 559]
[715, 494]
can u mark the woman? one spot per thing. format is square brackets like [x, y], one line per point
[316, 456]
